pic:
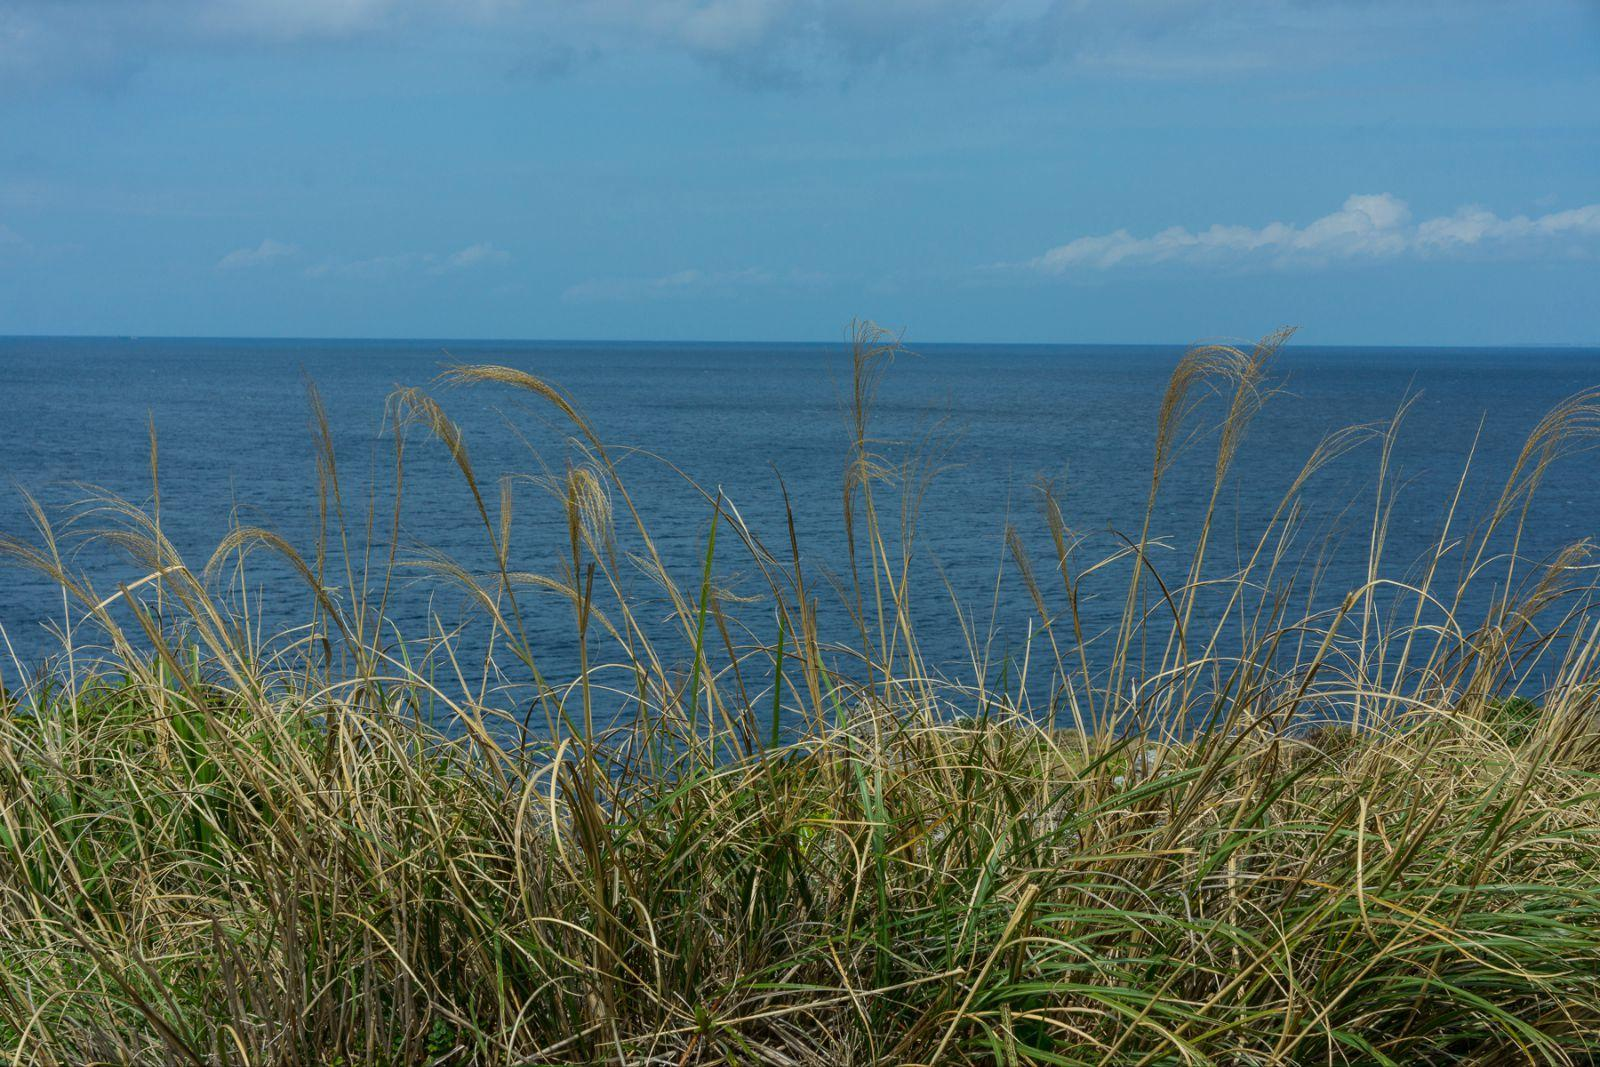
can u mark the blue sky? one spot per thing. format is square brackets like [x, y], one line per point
[1004, 170]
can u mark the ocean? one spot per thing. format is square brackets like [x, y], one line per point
[751, 421]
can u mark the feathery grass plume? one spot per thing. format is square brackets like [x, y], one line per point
[1250, 819]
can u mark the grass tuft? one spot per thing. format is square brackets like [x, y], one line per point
[1215, 830]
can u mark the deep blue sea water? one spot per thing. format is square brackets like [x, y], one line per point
[232, 422]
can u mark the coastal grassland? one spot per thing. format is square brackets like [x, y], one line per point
[1220, 830]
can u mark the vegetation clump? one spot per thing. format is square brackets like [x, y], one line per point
[1219, 830]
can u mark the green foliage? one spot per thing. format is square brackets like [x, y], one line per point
[1516, 717]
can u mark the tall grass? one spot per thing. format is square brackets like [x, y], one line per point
[1254, 821]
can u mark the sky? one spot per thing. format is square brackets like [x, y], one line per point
[1058, 171]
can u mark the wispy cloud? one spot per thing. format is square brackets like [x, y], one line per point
[1477, 227]
[481, 254]
[1366, 227]
[375, 268]
[757, 41]
[268, 251]
[293, 19]
[370, 268]
[691, 282]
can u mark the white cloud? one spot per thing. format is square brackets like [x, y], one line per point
[481, 254]
[1366, 227]
[691, 282]
[374, 268]
[1473, 227]
[268, 251]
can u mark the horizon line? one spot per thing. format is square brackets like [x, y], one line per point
[908, 344]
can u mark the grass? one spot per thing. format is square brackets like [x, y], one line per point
[735, 838]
